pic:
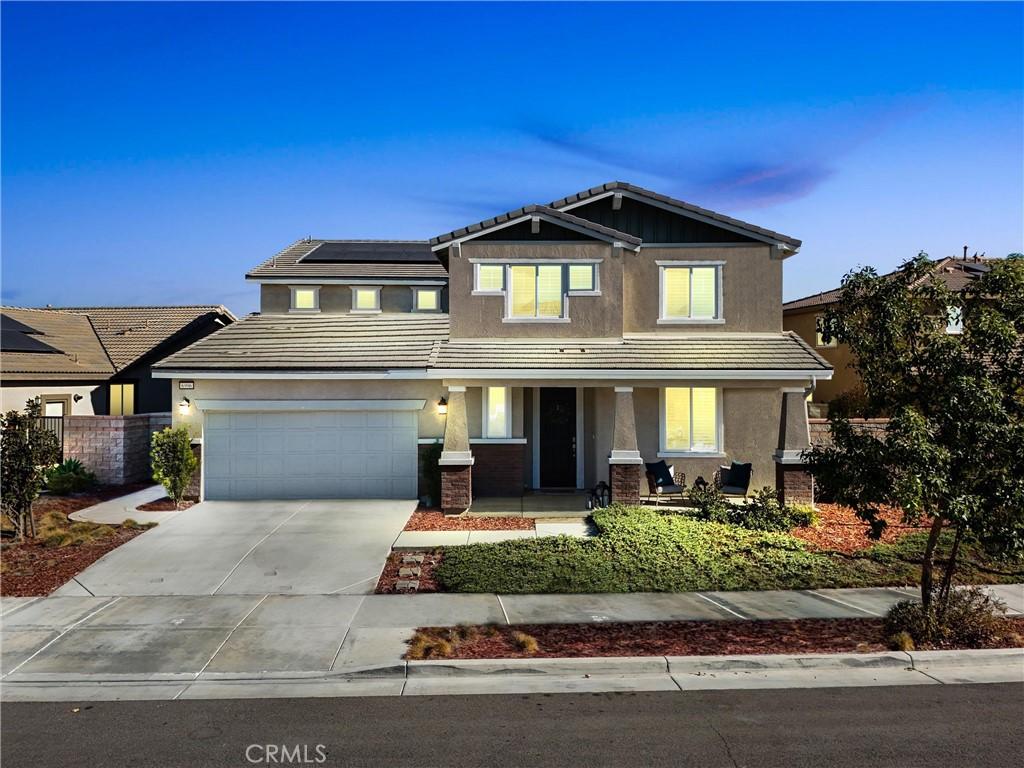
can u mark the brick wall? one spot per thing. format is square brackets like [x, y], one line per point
[456, 489]
[794, 484]
[625, 483]
[820, 434]
[115, 448]
[498, 470]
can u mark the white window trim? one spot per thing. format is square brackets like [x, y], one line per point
[665, 453]
[819, 343]
[476, 279]
[595, 291]
[508, 318]
[484, 397]
[376, 290]
[665, 319]
[316, 298]
[416, 290]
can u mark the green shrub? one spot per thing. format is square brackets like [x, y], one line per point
[173, 461]
[709, 504]
[970, 618]
[761, 512]
[802, 515]
[70, 476]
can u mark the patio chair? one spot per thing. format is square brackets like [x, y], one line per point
[664, 481]
[734, 480]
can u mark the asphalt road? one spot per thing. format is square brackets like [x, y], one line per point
[961, 725]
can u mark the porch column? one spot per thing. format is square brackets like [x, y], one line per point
[792, 480]
[456, 460]
[624, 460]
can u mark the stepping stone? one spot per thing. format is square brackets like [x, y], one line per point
[412, 558]
[408, 572]
[412, 584]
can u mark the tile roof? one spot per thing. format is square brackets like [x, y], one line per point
[289, 264]
[599, 230]
[740, 352]
[130, 333]
[622, 186]
[79, 355]
[955, 273]
[390, 341]
[317, 342]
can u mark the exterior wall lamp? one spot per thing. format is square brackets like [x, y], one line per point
[442, 407]
[183, 406]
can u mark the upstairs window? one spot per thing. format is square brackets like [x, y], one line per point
[819, 333]
[497, 412]
[305, 299]
[690, 292]
[535, 291]
[426, 299]
[582, 278]
[366, 299]
[690, 418]
[954, 320]
[489, 278]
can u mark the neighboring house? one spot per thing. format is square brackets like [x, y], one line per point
[804, 317]
[551, 347]
[87, 361]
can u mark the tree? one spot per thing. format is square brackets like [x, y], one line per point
[952, 452]
[27, 450]
[173, 461]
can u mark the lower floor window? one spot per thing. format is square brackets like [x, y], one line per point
[122, 399]
[497, 421]
[690, 418]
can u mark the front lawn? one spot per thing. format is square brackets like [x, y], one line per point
[641, 550]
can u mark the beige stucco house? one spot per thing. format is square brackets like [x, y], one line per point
[551, 347]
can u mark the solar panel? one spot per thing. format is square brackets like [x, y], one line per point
[8, 323]
[14, 340]
[388, 252]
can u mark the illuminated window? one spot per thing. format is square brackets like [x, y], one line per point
[366, 299]
[490, 278]
[497, 412]
[690, 293]
[122, 399]
[305, 299]
[819, 333]
[536, 291]
[954, 320]
[426, 299]
[581, 277]
[690, 420]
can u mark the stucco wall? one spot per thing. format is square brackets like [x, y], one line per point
[482, 316]
[844, 378]
[751, 289]
[12, 398]
[335, 299]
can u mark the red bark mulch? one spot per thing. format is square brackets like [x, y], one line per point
[31, 568]
[164, 505]
[676, 638]
[434, 520]
[388, 582]
[840, 530]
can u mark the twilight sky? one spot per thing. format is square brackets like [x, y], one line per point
[153, 153]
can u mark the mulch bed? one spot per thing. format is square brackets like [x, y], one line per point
[388, 582]
[840, 530]
[164, 505]
[31, 569]
[434, 520]
[677, 638]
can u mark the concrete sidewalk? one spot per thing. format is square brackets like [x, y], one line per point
[116, 511]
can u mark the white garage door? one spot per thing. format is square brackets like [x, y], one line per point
[310, 455]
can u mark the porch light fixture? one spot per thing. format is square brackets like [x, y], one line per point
[442, 407]
[183, 406]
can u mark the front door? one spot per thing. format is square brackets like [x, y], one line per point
[557, 437]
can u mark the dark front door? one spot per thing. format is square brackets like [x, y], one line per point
[557, 437]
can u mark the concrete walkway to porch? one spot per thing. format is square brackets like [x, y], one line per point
[116, 511]
[412, 540]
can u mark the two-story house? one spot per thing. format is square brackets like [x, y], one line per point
[551, 347]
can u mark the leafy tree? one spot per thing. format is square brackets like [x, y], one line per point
[952, 452]
[27, 450]
[173, 461]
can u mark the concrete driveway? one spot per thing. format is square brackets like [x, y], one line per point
[253, 548]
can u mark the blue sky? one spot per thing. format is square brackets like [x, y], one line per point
[153, 153]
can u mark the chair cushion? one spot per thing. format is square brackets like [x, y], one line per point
[661, 472]
[738, 476]
[732, 490]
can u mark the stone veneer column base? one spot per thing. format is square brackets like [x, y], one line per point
[794, 484]
[625, 482]
[456, 488]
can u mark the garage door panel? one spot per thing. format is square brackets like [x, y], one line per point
[315, 454]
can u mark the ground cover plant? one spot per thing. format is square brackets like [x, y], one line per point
[639, 549]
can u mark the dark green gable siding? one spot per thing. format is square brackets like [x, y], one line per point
[653, 224]
[523, 231]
